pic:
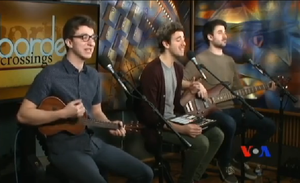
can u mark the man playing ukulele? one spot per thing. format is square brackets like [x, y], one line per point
[79, 157]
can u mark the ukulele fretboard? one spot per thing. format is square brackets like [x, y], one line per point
[94, 122]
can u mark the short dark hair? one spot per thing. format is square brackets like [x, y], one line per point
[165, 32]
[209, 28]
[73, 24]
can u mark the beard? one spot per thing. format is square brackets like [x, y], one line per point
[219, 44]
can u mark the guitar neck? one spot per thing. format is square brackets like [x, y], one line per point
[242, 92]
[100, 124]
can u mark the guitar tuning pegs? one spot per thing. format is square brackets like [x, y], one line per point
[130, 124]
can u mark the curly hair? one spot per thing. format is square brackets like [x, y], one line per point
[165, 32]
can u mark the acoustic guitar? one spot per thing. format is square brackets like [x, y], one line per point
[201, 107]
[77, 125]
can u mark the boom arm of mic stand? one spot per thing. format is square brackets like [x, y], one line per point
[184, 141]
[245, 104]
[233, 93]
[283, 92]
[282, 88]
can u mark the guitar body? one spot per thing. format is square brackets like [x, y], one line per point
[202, 108]
[71, 126]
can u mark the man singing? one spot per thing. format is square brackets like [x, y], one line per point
[161, 83]
[79, 157]
[229, 118]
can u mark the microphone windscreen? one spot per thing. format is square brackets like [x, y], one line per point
[190, 55]
[104, 61]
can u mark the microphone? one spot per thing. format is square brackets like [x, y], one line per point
[105, 62]
[191, 55]
[250, 61]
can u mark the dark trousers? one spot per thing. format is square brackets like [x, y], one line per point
[84, 167]
[229, 120]
[198, 157]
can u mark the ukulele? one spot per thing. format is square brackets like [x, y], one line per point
[204, 107]
[77, 125]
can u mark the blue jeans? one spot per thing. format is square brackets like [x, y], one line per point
[84, 167]
[230, 121]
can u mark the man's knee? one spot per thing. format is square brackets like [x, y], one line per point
[148, 173]
[225, 122]
[144, 174]
[269, 126]
[215, 134]
[201, 143]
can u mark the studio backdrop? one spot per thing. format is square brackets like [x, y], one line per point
[31, 38]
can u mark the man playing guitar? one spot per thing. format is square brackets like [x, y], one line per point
[228, 118]
[78, 156]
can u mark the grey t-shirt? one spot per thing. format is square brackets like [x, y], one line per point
[170, 85]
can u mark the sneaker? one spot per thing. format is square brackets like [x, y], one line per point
[227, 174]
[249, 173]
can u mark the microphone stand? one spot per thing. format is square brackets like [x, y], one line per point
[283, 92]
[161, 167]
[245, 106]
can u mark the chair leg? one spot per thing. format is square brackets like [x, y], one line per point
[163, 170]
[182, 158]
[166, 174]
[162, 166]
[156, 165]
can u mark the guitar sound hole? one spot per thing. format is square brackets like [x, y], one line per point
[54, 108]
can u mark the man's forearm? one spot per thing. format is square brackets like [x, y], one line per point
[100, 116]
[185, 84]
[178, 128]
[39, 117]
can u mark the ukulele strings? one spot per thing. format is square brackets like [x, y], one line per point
[122, 138]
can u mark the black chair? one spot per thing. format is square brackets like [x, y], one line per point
[31, 169]
[133, 104]
[29, 161]
[51, 173]
[152, 148]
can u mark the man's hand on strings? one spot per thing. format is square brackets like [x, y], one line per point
[121, 132]
[196, 87]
